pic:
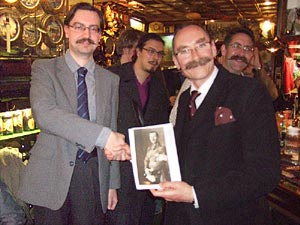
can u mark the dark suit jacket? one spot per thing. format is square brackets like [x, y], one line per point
[155, 112]
[231, 166]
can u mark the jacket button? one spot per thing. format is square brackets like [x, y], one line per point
[71, 163]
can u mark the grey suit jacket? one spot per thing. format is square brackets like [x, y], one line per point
[46, 180]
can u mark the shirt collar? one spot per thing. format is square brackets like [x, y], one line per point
[207, 84]
[74, 66]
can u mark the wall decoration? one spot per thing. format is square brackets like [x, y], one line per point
[32, 34]
[53, 7]
[9, 22]
[28, 5]
[288, 19]
[54, 29]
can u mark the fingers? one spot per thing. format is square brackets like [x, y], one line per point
[119, 153]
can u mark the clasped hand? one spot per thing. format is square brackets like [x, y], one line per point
[116, 148]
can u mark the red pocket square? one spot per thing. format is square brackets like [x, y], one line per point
[223, 115]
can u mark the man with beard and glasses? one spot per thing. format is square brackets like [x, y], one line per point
[227, 148]
[241, 57]
[69, 178]
[143, 102]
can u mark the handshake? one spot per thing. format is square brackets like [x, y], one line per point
[116, 148]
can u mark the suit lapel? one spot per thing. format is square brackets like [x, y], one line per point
[101, 93]
[67, 80]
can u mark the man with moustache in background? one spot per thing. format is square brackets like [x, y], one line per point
[227, 147]
[143, 102]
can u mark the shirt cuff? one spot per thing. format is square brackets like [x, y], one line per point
[103, 137]
[196, 203]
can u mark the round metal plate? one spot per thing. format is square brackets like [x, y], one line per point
[31, 34]
[9, 20]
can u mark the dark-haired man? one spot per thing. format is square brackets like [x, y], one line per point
[143, 101]
[68, 178]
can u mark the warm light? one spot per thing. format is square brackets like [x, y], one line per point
[267, 2]
[266, 25]
[136, 5]
[193, 15]
[272, 49]
[11, 1]
[135, 24]
[267, 28]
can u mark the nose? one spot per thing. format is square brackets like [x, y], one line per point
[87, 31]
[195, 52]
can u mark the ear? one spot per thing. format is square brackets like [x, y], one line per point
[214, 49]
[223, 49]
[66, 30]
[176, 62]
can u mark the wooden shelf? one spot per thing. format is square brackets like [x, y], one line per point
[16, 135]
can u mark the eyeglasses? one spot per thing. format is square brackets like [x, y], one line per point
[78, 27]
[246, 48]
[187, 51]
[152, 52]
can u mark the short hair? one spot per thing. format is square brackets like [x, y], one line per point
[84, 6]
[184, 25]
[238, 30]
[146, 37]
[127, 39]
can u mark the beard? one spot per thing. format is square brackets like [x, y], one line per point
[195, 63]
[153, 68]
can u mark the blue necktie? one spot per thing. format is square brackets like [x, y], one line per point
[82, 106]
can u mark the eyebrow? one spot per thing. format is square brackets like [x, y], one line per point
[200, 40]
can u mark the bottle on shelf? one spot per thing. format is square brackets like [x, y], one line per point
[28, 121]
[18, 121]
[8, 127]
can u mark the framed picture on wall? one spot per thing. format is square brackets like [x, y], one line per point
[288, 20]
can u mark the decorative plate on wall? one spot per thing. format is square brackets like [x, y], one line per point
[28, 5]
[54, 29]
[9, 21]
[53, 7]
[32, 34]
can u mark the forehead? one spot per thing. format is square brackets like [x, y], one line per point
[86, 16]
[154, 44]
[242, 38]
[190, 35]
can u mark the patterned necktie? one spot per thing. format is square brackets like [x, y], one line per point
[192, 103]
[82, 106]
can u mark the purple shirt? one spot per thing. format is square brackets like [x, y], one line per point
[143, 90]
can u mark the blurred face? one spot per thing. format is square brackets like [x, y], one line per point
[194, 54]
[83, 33]
[153, 137]
[238, 53]
[150, 57]
[129, 52]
